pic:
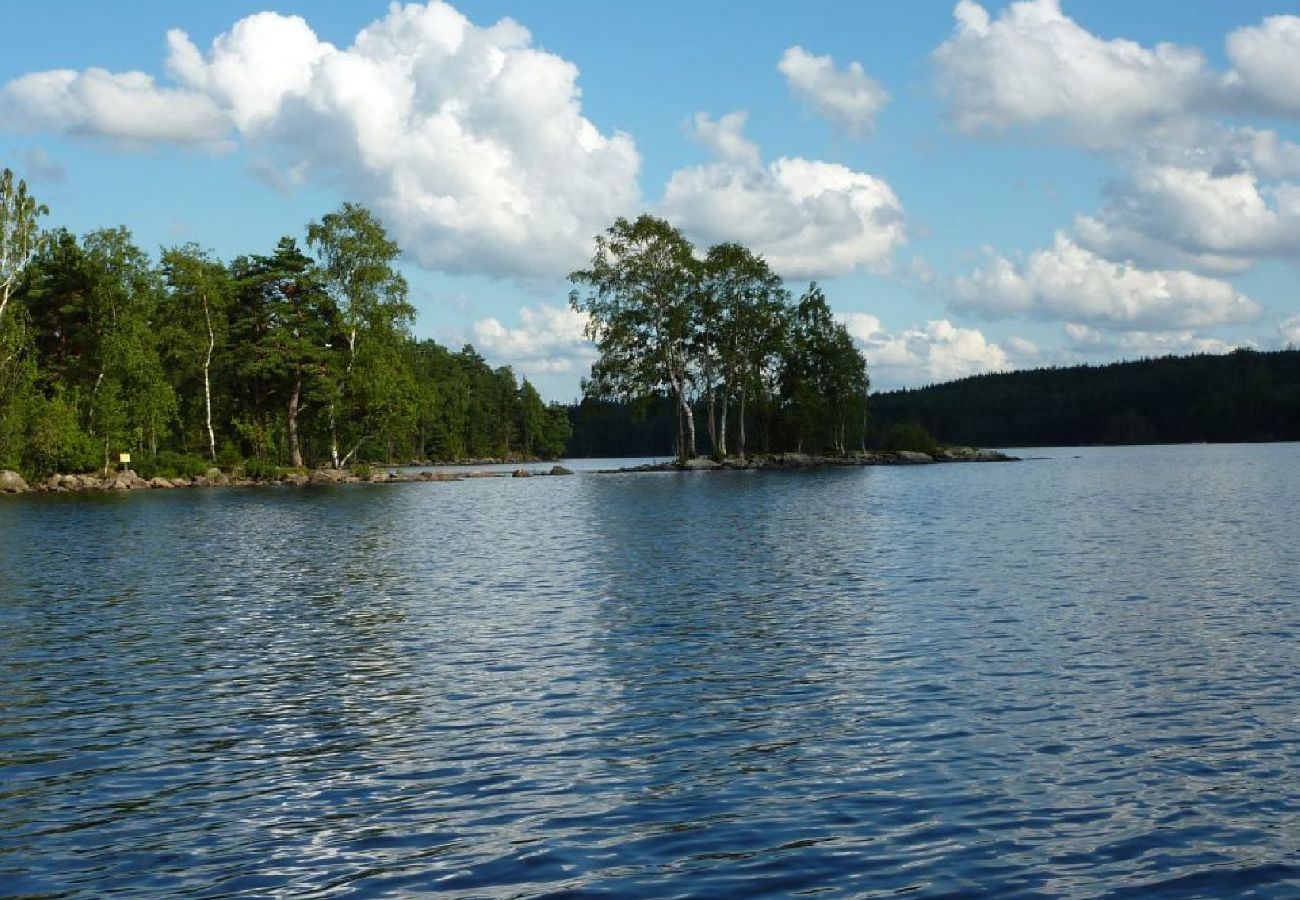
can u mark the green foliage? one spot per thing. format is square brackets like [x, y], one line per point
[908, 436]
[260, 470]
[1245, 395]
[171, 464]
[364, 470]
[54, 441]
[715, 332]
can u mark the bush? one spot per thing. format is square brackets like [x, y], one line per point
[909, 436]
[228, 456]
[261, 470]
[362, 470]
[170, 464]
[55, 443]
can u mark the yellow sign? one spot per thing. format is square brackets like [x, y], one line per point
[124, 458]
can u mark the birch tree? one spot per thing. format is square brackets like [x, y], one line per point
[356, 259]
[641, 299]
[20, 234]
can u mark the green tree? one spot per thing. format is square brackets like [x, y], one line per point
[642, 301]
[356, 261]
[282, 325]
[193, 327]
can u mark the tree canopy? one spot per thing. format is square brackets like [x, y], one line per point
[300, 356]
[717, 333]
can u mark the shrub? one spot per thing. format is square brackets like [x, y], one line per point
[170, 464]
[909, 436]
[55, 443]
[261, 470]
[362, 470]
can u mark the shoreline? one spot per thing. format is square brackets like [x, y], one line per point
[125, 481]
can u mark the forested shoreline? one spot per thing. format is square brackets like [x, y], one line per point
[1246, 395]
[298, 357]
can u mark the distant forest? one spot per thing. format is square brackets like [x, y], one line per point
[1246, 395]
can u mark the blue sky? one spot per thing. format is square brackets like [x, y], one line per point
[977, 187]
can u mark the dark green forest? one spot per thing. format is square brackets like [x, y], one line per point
[1245, 395]
[298, 356]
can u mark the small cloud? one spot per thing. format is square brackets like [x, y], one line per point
[847, 98]
[40, 166]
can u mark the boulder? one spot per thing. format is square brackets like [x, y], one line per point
[161, 484]
[295, 478]
[520, 473]
[12, 483]
[181, 482]
[699, 463]
[328, 476]
[793, 460]
[560, 470]
[914, 456]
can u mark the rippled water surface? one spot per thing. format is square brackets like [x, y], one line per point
[1076, 676]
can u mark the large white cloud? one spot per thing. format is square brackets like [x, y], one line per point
[549, 340]
[1033, 65]
[847, 98]
[933, 352]
[810, 219]
[1266, 63]
[1190, 217]
[468, 141]
[1066, 281]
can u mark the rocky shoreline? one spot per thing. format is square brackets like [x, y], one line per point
[812, 461]
[13, 483]
[127, 480]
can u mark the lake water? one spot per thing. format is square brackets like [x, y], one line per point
[1069, 677]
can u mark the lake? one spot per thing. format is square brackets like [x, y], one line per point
[1074, 676]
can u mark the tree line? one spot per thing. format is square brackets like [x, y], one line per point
[1246, 395]
[713, 336]
[301, 356]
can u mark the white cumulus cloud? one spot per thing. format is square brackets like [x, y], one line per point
[933, 352]
[847, 98]
[1033, 65]
[810, 219]
[549, 340]
[1069, 282]
[468, 141]
[1266, 63]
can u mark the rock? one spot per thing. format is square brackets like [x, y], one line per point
[295, 478]
[482, 475]
[793, 460]
[520, 473]
[12, 483]
[699, 463]
[328, 476]
[161, 484]
[181, 482]
[215, 476]
[990, 456]
[560, 470]
[914, 456]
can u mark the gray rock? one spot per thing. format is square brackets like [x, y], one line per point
[914, 456]
[520, 473]
[161, 484]
[560, 470]
[180, 482]
[12, 483]
[699, 463]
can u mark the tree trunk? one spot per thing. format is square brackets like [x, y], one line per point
[722, 427]
[740, 424]
[688, 448]
[295, 449]
[207, 385]
[712, 424]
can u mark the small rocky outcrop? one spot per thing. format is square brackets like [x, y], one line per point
[560, 470]
[520, 473]
[914, 456]
[12, 483]
[699, 463]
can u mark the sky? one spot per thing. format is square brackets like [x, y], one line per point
[976, 187]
